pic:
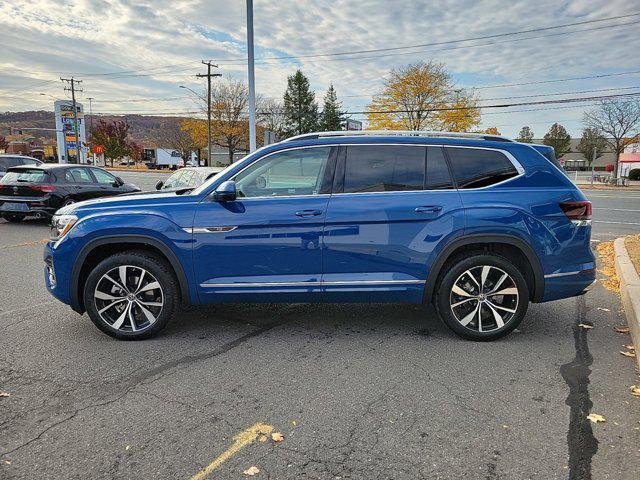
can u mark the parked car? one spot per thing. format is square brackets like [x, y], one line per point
[40, 190]
[478, 225]
[187, 177]
[8, 161]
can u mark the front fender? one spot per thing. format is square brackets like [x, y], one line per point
[130, 228]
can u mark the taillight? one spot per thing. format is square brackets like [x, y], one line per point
[578, 212]
[43, 188]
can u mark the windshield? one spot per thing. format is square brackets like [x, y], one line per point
[29, 176]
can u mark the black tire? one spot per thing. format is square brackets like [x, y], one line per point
[13, 218]
[156, 269]
[477, 296]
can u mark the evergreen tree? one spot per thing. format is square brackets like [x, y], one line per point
[525, 135]
[300, 107]
[558, 138]
[332, 115]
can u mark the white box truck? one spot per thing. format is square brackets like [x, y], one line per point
[159, 158]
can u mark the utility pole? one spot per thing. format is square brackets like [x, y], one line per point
[73, 90]
[593, 161]
[252, 79]
[209, 75]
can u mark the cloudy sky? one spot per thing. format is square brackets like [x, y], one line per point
[132, 55]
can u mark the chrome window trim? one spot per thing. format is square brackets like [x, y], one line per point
[516, 164]
[312, 284]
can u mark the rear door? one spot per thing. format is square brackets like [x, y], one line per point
[392, 204]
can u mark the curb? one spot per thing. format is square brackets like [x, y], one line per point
[629, 290]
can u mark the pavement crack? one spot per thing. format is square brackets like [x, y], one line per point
[161, 370]
[580, 439]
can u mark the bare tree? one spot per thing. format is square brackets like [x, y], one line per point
[618, 121]
[270, 113]
[183, 144]
[229, 103]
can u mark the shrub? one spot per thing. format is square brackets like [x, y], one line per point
[634, 174]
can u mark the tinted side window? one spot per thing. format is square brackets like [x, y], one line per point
[8, 162]
[384, 168]
[474, 168]
[438, 177]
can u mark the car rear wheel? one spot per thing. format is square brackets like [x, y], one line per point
[14, 218]
[131, 295]
[482, 297]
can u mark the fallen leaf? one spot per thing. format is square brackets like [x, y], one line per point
[604, 309]
[8, 462]
[621, 329]
[506, 427]
[585, 325]
[595, 418]
[635, 391]
[262, 438]
[628, 354]
[277, 437]
[630, 347]
[294, 423]
[252, 471]
[5, 394]
[128, 447]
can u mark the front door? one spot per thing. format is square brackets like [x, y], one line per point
[391, 205]
[266, 245]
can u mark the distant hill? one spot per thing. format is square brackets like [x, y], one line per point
[150, 131]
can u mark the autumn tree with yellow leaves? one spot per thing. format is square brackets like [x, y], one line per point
[422, 96]
[229, 121]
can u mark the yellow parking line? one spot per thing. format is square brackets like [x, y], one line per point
[27, 244]
[240, 441]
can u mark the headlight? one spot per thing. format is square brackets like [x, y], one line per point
[61, 224]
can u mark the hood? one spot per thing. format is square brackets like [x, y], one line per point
[134, 200]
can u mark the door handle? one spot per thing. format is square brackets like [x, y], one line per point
[309, 213]
[428, 209]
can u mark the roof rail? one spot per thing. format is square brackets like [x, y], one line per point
[397, 133]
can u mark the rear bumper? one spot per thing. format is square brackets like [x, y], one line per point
[568, 284]
[38, 207]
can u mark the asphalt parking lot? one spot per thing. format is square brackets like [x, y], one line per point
[357, 391]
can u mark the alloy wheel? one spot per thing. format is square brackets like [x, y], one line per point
[484, 298]
[128, 298]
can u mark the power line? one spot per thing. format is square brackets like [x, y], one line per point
[446, 42]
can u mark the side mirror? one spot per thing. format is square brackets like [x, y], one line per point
[159, 185]
[226, 192]
[119, 182]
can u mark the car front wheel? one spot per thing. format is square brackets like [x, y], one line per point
[131, 295]
[482, 297]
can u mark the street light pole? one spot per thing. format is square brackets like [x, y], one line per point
[252, 80]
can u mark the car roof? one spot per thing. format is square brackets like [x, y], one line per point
[17, 155]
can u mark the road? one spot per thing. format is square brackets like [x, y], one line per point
[358, 391]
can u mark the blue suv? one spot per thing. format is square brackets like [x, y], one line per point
[478, 225]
